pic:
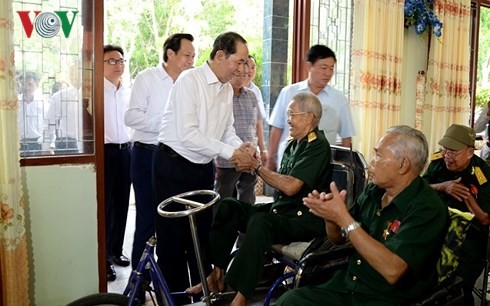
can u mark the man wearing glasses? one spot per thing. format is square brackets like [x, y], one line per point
[462, 180]
[117, 157]
[305, 166]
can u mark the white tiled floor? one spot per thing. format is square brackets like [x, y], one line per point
[123, 272]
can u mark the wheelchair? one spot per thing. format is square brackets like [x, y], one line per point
[309, 263]
[300, 263]
[319, 262]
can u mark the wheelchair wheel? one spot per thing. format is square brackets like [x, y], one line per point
[102, 299]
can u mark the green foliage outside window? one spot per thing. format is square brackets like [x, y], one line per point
[141, 27]
[482, 97]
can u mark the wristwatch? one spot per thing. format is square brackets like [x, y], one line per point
[349, 228]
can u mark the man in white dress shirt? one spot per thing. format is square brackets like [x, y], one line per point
[197, 127]
[31, 114]
[117, 157]
[336, 119]
[149, 96]
[65, 115]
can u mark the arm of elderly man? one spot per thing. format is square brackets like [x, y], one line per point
[305, 167]
[397, 246]
[468, 190]
[397, 227]
[309, 167]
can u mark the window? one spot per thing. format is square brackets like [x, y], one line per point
[53, 57]
[331, 25]
[480, 62]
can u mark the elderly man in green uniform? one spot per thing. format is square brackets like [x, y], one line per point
[461, 179]
[397, 226]
[305, 166]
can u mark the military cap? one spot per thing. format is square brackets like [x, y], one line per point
[458, 137]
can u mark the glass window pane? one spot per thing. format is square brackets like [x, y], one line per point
[52, 56]
[331, 25]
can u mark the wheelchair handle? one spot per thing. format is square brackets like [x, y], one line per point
[191, 207]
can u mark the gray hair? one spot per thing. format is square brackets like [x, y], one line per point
[309, 102]
[410, 143]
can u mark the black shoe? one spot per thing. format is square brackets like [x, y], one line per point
[140, 299]
[111, 273]
[122, 261]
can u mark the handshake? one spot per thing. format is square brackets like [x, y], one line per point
[246, 158]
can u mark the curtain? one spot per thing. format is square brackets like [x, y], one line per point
[14, 287]
[376, 61]
[447, 98]
[419, 100]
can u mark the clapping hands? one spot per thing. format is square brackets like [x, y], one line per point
[329, 206]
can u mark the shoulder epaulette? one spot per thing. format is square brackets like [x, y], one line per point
[311, 136]
[289, 138]
[480, 176]
[436, 156]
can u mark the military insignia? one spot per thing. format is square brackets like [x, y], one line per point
[311, 136]
[392, 227]
[482, 179]
[386, 233]
[474, 190]
[436, 156]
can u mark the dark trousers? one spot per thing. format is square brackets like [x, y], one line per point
[472, 260]
[173, 174]
[262, 229]
[232, 183]
[141, 173]
[117, 189]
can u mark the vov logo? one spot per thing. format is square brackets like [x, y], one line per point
[47, 24]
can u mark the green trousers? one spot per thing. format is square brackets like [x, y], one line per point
[262, 229]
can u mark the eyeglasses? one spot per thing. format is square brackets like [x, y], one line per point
[450, 153]
[113, 61]
[291, 114]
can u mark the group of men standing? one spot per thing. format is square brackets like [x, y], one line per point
[135, 117]
[184, 120]
[183, 136]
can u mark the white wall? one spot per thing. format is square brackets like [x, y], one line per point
[61, 221]
[415, 50]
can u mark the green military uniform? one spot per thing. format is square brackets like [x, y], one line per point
[285, 221]
[475, 177]
[412, 226]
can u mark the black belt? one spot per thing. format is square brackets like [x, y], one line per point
[170, 152]
[117, 145]
[144, 145]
